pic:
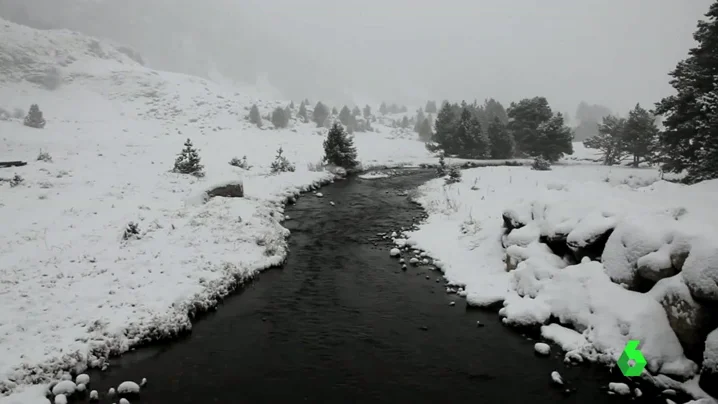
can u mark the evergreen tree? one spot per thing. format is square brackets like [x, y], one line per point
[291, 105]
[640, 135]
[334, 111]
[525, 118]
[280, 118]
[302, 114]
[188, 161]
[254, 116]
[554, 140]
[441, 168]
[339, 148]
[405, 122]
[383, 109]
[281, 164]
[367, 112]
[403, 109]
[502, 142]
[609, 140]
[444, 128]
[356, 111]
[690, 139]
[34, 117]
[345, 116]
[320, 114]
[419, 120]
[425, 134]
[430, 107]
[288, 112]
[494, 109]
[470, 140]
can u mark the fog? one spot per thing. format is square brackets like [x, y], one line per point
[610, 52]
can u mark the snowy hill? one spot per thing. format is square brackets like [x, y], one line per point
[72, 291]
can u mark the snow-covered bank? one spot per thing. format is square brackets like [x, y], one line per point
[658, 236]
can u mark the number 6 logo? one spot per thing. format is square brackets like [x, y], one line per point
[631, 352]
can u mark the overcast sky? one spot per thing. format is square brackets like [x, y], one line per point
[611, 52]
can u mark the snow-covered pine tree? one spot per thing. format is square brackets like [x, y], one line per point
[383, 109]
[291, 105]
[254, 117]
[34, 118]
[281, 164]
[610, 140]
[188, 161]
[640, 135]
[441, 168]
[444, 128]
[555, 139]
[502, 142]
[419, 120]
[334, 111]
[425, 131]
[356, 111]
[367, 112]
[430, 107]
[454, 175]
[320, 114]
[339, 148]
[279, 118]
[302, 114]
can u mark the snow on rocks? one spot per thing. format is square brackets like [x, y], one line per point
[556, 378]
[81, 387]
[111, 391]
[124, 401]
[128, 387]
[619, 388]
[82, 379]
[414, 261]
[94, 395]
[143, 382]
[709, 371]
[319, 194]
[66, 387]
[60, 399]
[542, 348]
[395, 252]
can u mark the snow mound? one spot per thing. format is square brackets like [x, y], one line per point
[66, 387]
[128, 387]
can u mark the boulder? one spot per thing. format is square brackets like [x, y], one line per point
[689, 319]
[700, 271]
[709, 371]
[229, 190]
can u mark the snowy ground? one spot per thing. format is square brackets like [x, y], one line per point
[654, 220]
[72, 291]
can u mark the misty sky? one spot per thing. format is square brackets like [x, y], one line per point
[610, 52]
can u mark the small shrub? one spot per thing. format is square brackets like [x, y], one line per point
[44, 156]
[316, 167]
[188, 161]
[16, 180]
[132, 231]
[281, 164]
[441, 168]
[34, 118]
[454, 175]
[243, 164]
[541, 164]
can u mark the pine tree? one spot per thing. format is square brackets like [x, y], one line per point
[302, 114]
[494, 109]
[288, 113]
[367, 112]
[345, 116]
[470, 140]
[34, 117]
[280, 118]
[441, 168]
[281, 164]
[291, 105]
[425, 133]
[554, 140]
[419, 120]
[334, 111]
[525, 118]
[188, 161]
[356, 111]
[320, 114]
[405, 122]
[339, 148]
[445, 126]
[502, 142]
[609, 140]
[690, 139]
[640, 134]
[383, 109]
[430, 107]
[254, 116]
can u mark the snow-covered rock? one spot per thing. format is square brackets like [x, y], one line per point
[395, 252]
[94, 395]
[82, 379]
[60, 399]
[124, 401]
[700, 270]
[542, 348]
[81, 387]
[689, 319]
[66, 387]
[128, 387]
[709, 369]
[619, 388]
[556, 378]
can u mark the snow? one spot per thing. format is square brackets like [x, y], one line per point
[710, 355]
[128, 387]
[556, 377]
[66, 387]
[373, 175]
[94, 395]
[60, 399]
[395, 252]
[82, 379]
[542, 348]
[72, 291]
[649, 226]
[619, 388]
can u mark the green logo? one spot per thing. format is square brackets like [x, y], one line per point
[631, 353]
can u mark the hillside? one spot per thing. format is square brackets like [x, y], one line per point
[72, 291]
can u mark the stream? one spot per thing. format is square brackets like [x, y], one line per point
[341, 322]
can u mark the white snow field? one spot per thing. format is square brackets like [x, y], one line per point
[656, 224]
[72, 291]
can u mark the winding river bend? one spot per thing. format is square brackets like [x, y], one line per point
[340, 322]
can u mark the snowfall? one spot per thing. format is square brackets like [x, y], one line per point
[74, 292]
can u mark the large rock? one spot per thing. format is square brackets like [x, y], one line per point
[689, 319]
[589, 237]
[228, 190]
[657, 265]
[700, 270]
[709, 372]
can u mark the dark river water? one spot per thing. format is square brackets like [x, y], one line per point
[340, 322]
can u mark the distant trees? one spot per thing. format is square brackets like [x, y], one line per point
[419, 120]
[537, 131]
[618, 138]
[425, 132]
[356, 111]
[334, 111]
[502, 141]
[254, 117]
[383, 109]
[348, 119]
[302, 113]
[34, 118]
[320, 114]
[588, 117]
[367, 112]
[280, 118]
[430, 107]
[339, 148]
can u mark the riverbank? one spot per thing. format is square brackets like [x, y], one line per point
[585, 202]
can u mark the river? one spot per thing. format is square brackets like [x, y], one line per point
[341, 322]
